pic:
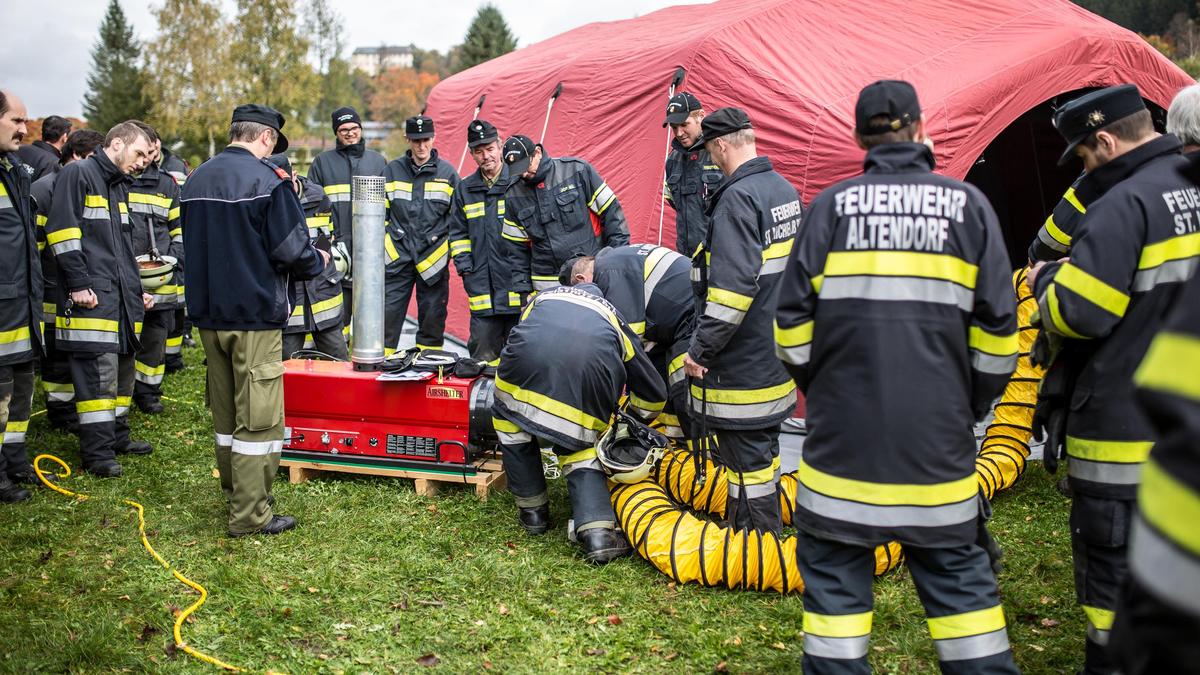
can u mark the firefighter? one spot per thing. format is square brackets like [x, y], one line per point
[420, 186]
[897, 320]
[154, 212]
[560, 208]
[740, 390]
[332, 170]
[46, 156]
[651, 287]
[317, 312]
[1053, 241]
[1183, 120]
[55, 364]
[100, 301]
[180, 333]
[245, 239]
[20, 307]
[691, 175]
[1128, 258]
[560, 377]
[478, 249]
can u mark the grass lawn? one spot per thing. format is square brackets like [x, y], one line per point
[375, 579]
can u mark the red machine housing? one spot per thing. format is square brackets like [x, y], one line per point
[336, 413]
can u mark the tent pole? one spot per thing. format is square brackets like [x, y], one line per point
[549, 107]
[466, 143]
[662, 202]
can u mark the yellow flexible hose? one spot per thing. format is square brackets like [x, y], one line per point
[141, 514]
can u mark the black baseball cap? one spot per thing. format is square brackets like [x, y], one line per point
[281, 160]
[680, 107]
[481, 132]
[418, 127]
[895, 100]
[253, 112]
[345, 115]
[724, 121]
[518, 152]
[1093, 111]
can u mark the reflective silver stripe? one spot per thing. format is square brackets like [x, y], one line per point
[164, 298]
[661, 266]
[1104, 472]
[122, 410]
[589, 463]
[14, 437]
[724, 313]
[545, 419]
[72, 334]
[66, 246]
[797, 356]
[95, 213]
[671, 431]
[603, 196]
[694, 275]
[402, 195]
[152, 209]
[97, 416]
[436, 196]
[1045, 237]
[1175, 271]
[326, 315]
[539, 285]
[5, 202]
[886, 516]
[224, 440]
[15, 347]
[773, 266]
[1097, 635]
[836, 648]
[1163, 568]
[992, 364]
[177, 239]
[148, 379]
[60, 396]
[972, 646]
[257, 447]
[513, 232]
[174, 349]
[677, 376]
[508, 438]
[435, 269]
[746, 410]
[898, 288]
[755, 491]
[338, 197]
[644, 413]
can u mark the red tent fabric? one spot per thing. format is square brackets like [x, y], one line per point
[796, 67]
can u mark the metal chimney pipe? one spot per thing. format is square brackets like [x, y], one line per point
[368, 263]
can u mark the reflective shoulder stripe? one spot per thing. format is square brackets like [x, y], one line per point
[901, 264]
[1092, 289]
[150, 199]
[514, 232]
[1171, 365]
[774, 257]
[601, 309]
[601, 199]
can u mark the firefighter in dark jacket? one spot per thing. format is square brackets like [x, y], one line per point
[332, 170]
[420, 186]
[20, 303]
[1053, 240]
[477, 247]
[45, 156]
[317, 312]
[739, 390]
[897, 320]
[1132, 252]
[691, 175]
[555, 209]
[180, 332]
[560, 378]
[154, 212]
[651, 287]
[100, 301]
[246, 240]
[55, 364]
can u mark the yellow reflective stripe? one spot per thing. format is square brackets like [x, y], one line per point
[966, 624]
[638, 327]
[1057, 234]
[556, 408]
[777, 250]
[149, 370]
[730, 299]
[1074, 201]
[1171, 506]
[123, 207]
[439, 186]
[14, 335]
[390, 248]
[1117, 452]
[1171, 365]
[85, 323]
[1091, 289]
[16, 426]
[837, 625]
[57, 386]
[401, 185]
[337, 189]
[577, 457]
[298, 310]
[474, 210]
[96, 405]
[1100, 618]
[514, 299]
[41, 220]
[173, 214]
[902, 264]
[460, 246]
[816, 283]
[1000, 345]
[1056, 318]
[1175, 248]
[137, 327]
[176, 232]
[888, 494]
[320, 221]
[756, 477]
[432, 259]
[639, 402]
[479, 302]
[95, 201]
[152, 200]
[63, 235]
[330, 303]
[794, 336]
[742, 396]
[501, 424]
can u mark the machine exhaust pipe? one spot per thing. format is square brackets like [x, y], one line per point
[367, 207]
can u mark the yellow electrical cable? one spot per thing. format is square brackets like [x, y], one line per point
[141, 514]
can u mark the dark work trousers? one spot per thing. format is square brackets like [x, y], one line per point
[103, 393]
[751, 461]
[957, 588]
[1100, 551]
[174, 346]
[488, 335]
[150, 363]
[1153, 637]
[331, 341]
[16, 404]
[400, 278]
[56, 383]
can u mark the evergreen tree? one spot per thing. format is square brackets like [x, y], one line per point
[115, 86]
[487, 37]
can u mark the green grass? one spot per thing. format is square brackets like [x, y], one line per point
[376, 577]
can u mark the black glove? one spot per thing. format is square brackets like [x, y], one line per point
[1050, 424]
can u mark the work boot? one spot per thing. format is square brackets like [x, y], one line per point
[24, 475]
[134, 448]
[69, 424]
[150, 406]
[277, 525]
[601, 545]
[105, 469]
[188, 340]
[536, 519]
[174, 366]
[11, 494]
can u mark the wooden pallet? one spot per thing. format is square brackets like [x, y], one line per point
[489, 475]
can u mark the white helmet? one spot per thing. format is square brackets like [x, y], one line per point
[628, 450]
[341, 259]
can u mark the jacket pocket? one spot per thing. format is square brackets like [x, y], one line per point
[9, 291]
[571, 210]
[527, 218]
[1101, 522]
[101, 283]
[264, 396]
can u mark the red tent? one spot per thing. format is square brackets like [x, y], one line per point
[796, 66]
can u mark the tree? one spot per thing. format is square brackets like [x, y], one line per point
[487, 37]
[269, 55]
[116, 85]
[1143, 16]
[325, 28]
[400, 93]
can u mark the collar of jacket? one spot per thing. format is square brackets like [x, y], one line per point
[47, 147]
[899, 158]
[544, 167]
[7, 161]
[310, 193]
[1104, 178]
[699, 145]
[427, 166]
[149, 176]
[109, 171]
[760, 164]
[485, 185]
[353, 149]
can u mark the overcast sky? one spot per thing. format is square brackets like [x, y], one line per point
[48, 54]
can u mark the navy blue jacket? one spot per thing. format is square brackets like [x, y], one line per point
[245, 240]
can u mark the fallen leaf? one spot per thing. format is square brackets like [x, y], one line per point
[147, 632]
[343, 638]
[510, 544]
[721, 667]
[313, 589]
[45, 557]
[593, 621]
[780, 646]
[323, 657]
[72, 554]
[432, 508]
[480, 622]
[1028, 518]
[429, 660]
[654, 649]
[193, 543]
[614, 620]
[287, 611]
[594, 651]
[487, 665]
[123, 597]
[503, 609]
[174, 610]
[402, 605]
[170, 650]
[1037, 648]
[1049, 623]
[431, 603]
[672, 656]
[1045, 599]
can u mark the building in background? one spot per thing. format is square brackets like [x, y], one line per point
[375, 60]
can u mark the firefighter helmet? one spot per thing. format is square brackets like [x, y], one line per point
[628, 450]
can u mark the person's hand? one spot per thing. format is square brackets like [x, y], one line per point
[324, 258]
[692, 368]
[86, 298]
[1036, 268]
[147, 301]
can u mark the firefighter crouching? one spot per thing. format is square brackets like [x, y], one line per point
[739, 388]
[651, 287]
[897, 320]
[560, 378]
